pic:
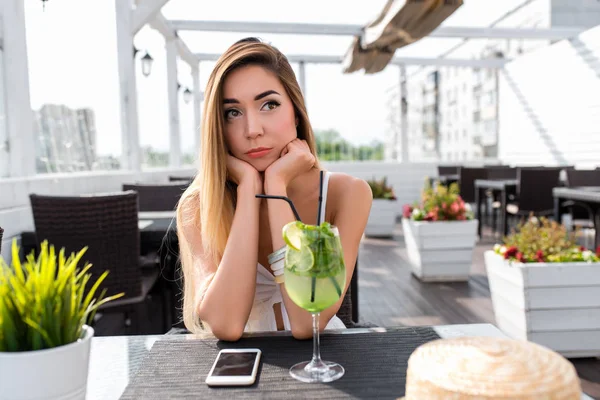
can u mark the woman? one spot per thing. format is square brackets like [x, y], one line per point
[256, 139]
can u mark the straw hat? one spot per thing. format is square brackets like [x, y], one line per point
[489, 368]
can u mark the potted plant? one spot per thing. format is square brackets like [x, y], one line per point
[382, 218]
[546, 289]
[440, 234]
[45, 312]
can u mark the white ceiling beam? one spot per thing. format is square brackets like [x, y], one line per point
[144, 12]
[161, 24]
[438, 62]
[354, 30]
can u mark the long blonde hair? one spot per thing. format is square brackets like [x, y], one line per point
[209, 202]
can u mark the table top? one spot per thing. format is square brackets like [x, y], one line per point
[496, 184]
[584, 193]
[115, 360]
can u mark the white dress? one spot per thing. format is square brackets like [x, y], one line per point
[268, 293]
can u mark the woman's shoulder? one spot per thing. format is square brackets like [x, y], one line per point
[344, 189]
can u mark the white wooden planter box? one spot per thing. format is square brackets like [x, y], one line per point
[382, 219]
[440, 251]
[556, 305]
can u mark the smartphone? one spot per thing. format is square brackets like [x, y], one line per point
[234, 367]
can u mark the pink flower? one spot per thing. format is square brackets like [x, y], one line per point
[520, 257]
[406, 211]
[455, 207]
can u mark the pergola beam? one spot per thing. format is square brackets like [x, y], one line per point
[144, 12]
[438, 62]
[161, 24]
[355, 30]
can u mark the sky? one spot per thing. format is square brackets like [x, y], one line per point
[73, 61]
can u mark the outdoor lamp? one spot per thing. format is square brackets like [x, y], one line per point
[147, 61]
[187, 95]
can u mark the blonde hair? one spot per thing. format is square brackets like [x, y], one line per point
[208, 204]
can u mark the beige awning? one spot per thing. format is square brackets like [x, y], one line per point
[401, 23]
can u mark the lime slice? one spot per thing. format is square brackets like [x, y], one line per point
[292, 234]
[301, 260]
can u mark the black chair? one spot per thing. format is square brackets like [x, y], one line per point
[466, 182]
[158, 197]
[447, 170]
[175, 178]
[501, 173]
[108, 226]
[581, 215]
[534, 193]
[1, 234]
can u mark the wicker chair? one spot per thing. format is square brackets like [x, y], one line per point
[447, 170]
[181, 178]
[108, 226]
[582, 216]
[157, 197]
[534, 192]
[466, 182]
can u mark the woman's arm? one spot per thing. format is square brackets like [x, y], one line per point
[228, 300]
[224, 296]
[350, 219]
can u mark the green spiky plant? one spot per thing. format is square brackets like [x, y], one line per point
[44, 302]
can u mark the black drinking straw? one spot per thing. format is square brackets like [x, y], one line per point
[266, 196]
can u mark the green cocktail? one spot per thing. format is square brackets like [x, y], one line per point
[315, 278]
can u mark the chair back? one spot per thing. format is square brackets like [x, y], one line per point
[535, 189]
[466, 182]
[348, 311]
[501, 173]
[106, 224]
[447, 170]
[188, 179]
[158, 197]
[583, 177]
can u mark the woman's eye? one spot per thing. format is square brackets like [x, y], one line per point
[232, 113]
[271, 105]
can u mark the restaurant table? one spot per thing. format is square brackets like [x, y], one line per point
[175, 366]
[504, 187]
[587, 196]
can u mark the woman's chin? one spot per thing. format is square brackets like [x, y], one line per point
[260, 165]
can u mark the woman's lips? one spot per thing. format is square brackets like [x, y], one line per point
[259, 153]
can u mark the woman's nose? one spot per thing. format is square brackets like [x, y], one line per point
[253, 126]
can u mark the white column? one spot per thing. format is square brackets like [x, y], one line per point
[173, 96]
[19, 143]
[131, 157]
[197, 109]
[403, 115]
[302, 79]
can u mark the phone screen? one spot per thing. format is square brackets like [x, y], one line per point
[235, 364]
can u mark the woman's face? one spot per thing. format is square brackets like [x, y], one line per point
[259, 116]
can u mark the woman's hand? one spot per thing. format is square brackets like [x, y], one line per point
[295, 160]
[243, 174]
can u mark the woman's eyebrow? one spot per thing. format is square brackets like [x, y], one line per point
[257, 97]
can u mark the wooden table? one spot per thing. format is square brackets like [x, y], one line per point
[504, 187]
[587, 197]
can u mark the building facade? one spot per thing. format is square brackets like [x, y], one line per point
[454, 116]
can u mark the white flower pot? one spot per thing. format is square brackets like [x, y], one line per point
[382, 219]
[440, 251]
[59, 373]
[556, 305]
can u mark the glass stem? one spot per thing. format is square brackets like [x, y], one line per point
[316, 361]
